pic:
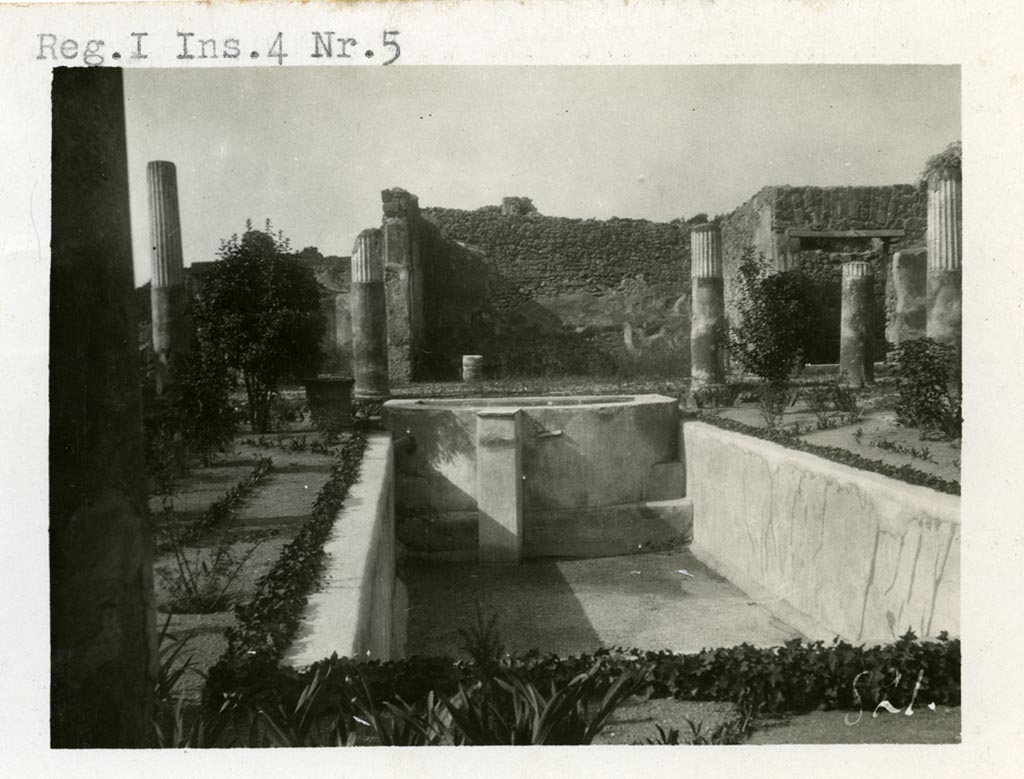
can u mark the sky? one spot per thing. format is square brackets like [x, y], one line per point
[311, 148]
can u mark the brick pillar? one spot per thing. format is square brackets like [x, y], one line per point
[855, 357]
[707, 318]
[499, 485]
[945, 215]
[172, 331]
[909, 282]
[403, 283]
[102, 620]
[369, 319]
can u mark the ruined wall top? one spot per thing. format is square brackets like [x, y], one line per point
[517, 206]
[399, 203]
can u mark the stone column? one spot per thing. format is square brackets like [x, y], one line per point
[369, 319]
[499, 485]
[707, 318]
[172, 332]
[945, 216]
[102, 620]
[909, 283]
[855, 357]
[403, 283]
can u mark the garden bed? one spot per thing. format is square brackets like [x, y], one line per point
[223, 563]
[875, 435]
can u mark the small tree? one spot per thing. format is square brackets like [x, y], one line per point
[775, 318]
[259, 310]
[929, 384]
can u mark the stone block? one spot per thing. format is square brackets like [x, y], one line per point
[665, 481]
[499, 485]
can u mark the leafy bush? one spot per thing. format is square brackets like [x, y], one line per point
[200, 398]
[507, 708]
[715, 396]
[833, 404]
[440, 700]
[258, 311]
[949, 158]
[928, 382]
[772, 401]
[192, 420]
[924, 453]
[774, 320]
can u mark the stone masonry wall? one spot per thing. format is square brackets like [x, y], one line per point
[540, 295]
[762, 222]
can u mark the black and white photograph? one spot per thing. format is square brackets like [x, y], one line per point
[388, 399]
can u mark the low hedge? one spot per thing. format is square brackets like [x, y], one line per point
[794, 678]
[222, 508]
[905, 473]
[267, 624]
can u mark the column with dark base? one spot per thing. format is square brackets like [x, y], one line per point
[707, 320]
[369, 320]
[855, 357]
[168, 297]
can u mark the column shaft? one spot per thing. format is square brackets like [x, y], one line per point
[102, 620]
[707, 317]
[369, 319]
[856, 361]
[944, 292]
[172, 331]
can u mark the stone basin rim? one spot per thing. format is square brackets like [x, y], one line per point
[567, 401]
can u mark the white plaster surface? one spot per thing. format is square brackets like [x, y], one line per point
[861, 555]
[352, 613]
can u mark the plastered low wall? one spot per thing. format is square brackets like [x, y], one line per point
[353, 612]
[855, 553]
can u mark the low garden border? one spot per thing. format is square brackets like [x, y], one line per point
[797, 677]
[267, 624]
[905, 473]
[833, 549]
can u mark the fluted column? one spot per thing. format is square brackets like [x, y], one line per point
[707, 318]
[168, 297]
[945, 215]
[369, 318]
[855, 357]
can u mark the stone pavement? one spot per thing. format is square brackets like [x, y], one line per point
[575, 606]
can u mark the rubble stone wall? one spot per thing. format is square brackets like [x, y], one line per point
[538, 295]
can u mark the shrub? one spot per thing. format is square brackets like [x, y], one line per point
[199, 397]
[715, 396]
[772, 402]
[833, 404]
[774, 313]
[422, 700]
[192, 420]
[258, 311]
[928, 382]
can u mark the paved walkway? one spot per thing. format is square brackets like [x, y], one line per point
[575, 606]
[258, 530]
